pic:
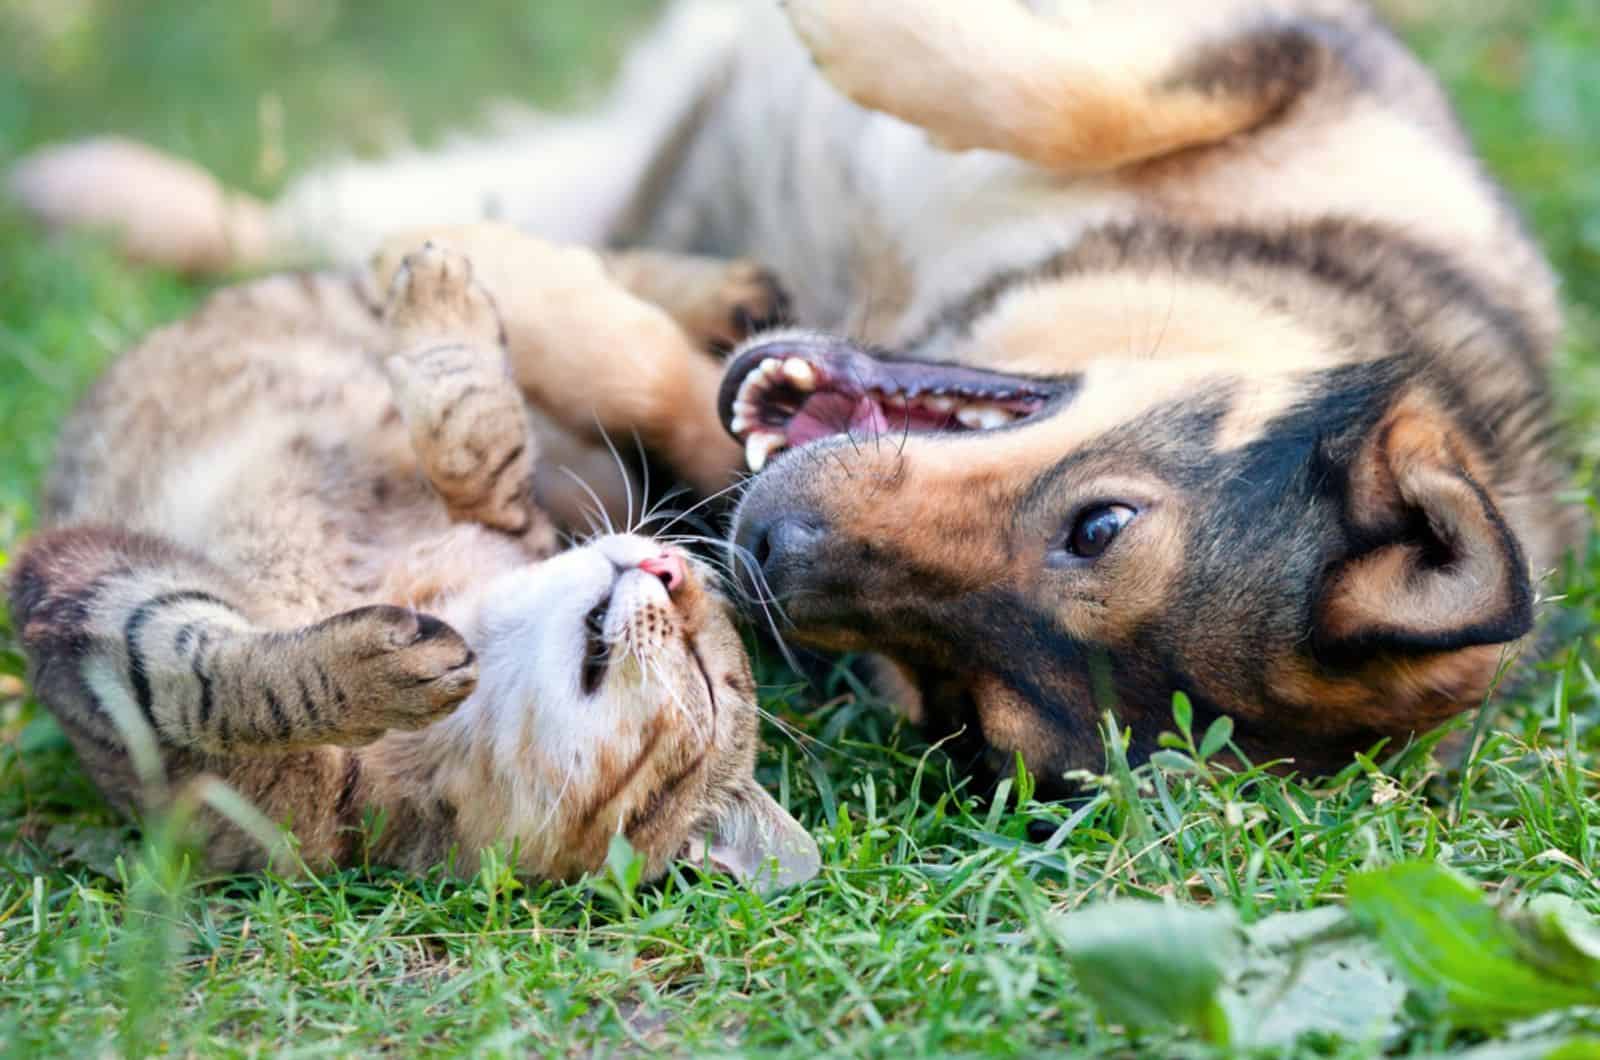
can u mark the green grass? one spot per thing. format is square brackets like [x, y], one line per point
[929, 929]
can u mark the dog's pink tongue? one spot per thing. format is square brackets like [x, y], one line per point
[829, 414]
[867, 418]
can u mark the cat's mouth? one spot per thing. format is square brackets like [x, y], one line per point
[596, 647]
[647, 607]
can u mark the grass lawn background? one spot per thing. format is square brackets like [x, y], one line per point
[928, 929]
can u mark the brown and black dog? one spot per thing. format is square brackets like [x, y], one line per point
[1271, 427]
[1190, 349]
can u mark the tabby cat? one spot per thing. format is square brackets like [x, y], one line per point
[295, 543]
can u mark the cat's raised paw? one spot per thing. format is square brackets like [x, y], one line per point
[393, 668]
[435, 296]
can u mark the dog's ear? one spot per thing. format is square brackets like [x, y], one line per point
[1437, 569]
[755, 840]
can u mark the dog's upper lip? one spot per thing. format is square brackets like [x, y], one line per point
[791, 389]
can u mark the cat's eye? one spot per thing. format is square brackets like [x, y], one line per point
[1095, 528]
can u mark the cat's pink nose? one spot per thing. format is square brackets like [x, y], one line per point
[669, 567]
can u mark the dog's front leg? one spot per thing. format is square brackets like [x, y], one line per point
[1082, 92]
[718, 302]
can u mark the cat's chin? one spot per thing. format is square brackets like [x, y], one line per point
[590, 638]
[599, 675]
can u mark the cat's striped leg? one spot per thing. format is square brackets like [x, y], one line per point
[468, 420]
[129, 635]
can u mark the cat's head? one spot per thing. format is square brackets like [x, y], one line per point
[615, 696]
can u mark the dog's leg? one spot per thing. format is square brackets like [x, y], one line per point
[719, 303]
[590, 354]
[1079, 92]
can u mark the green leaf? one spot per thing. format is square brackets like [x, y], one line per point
[1555, 934]
[1217, 736]
[624, 865]
[1451, 942]
[1174, 761]
[1313, 972]
[620, 881]
[1153, 966]
[1183, 714]
[1582, 1048]
[1150, 965]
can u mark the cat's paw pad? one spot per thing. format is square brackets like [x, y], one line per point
[396, 669]
[435, 296]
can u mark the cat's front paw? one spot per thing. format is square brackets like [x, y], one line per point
[435, 296]
[392, 668]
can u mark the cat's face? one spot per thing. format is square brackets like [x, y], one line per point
[617, 696]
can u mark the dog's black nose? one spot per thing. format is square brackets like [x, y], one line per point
[773, 550]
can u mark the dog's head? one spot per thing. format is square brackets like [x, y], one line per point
[1307, 542]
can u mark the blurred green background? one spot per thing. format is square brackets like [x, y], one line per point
[927, 933]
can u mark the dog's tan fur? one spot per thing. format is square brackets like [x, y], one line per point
[1247, 238]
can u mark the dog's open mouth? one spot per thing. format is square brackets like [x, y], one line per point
[782, 394]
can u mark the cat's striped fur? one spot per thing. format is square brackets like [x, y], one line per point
[293, 542]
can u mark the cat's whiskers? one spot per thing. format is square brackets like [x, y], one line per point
[763, 594]
[571, 773]
[622, 469]
[674, 696]
[599, 509]
[695, 507]
[624, 644]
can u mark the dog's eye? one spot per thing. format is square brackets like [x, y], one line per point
[1096, 528]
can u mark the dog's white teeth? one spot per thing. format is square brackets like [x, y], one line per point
[760, 446]
[970, 417]
[939, 404]
[991, 417]
[894, 401]
[800, 373]
[740, 423]
[772, 368]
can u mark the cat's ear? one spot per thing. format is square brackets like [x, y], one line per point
[755, 840]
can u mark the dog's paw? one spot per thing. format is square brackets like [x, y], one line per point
[849, 39]
[434, 295]
[749, 299]
[393, 668]
[908, 58]
[821, 25]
